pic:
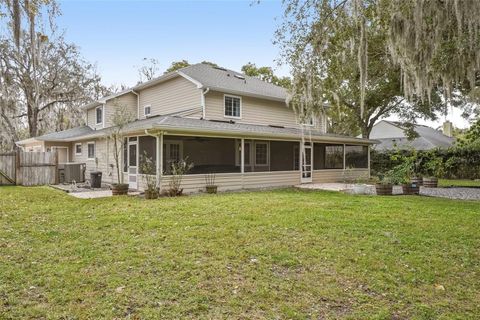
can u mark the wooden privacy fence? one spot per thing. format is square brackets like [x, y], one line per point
[29, 168]
[7, 168]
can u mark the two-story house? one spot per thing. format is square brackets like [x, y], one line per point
[223, 122]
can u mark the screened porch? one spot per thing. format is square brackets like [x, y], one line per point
[224, 155]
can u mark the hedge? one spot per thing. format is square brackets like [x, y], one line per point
[452, 163]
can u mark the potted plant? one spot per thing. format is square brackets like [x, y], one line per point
[148, 169]
[434, 168]
[210, 185]
[384, 187]
[178, 169]
[121, 118]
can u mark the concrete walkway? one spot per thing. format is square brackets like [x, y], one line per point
[88, 193]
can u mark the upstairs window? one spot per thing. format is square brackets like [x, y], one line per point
[99, 115]
[233, 106]
[147, 111]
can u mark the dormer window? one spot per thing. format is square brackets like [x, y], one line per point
[99, 115]
[232, 107]
[147, 111]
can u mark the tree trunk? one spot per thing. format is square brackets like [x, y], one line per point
[32, 115]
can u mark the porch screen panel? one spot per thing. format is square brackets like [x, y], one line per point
[147, 147]
[356, 156]
[327, 156]
[283, 155]
[207, 155]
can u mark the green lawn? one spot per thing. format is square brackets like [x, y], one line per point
[281, 254]
[458, 183]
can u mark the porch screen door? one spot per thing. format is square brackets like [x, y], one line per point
[132, 163]
[306, 160]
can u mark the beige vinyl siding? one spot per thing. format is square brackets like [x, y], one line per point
[92, 119]
[234, 181]
[50, 144]
[338, 175]
[34, 146]
[128, 100]
[174, 95]
[255, 111]
[104, 155]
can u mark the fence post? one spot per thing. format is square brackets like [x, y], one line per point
[17, 167]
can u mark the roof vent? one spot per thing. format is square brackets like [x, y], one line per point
[275, 126]
[220, 68]
[239, 76]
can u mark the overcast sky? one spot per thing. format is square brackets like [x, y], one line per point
[117, 35]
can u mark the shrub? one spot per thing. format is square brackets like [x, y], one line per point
[459, 162]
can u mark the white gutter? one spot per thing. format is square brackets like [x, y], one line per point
[204, 92]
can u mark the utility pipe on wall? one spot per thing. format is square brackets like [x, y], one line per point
[204, 92]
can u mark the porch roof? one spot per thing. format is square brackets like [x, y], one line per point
[171, 124]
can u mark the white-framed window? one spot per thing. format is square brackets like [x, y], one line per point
[91, 150]
[99, 115]
[261, 153]
[147, 110]
[78, 149]
[232, 106]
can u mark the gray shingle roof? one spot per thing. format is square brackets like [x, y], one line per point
[172, 124]
[207, 76]
[231, 81]
[428, 138]
[66, 134]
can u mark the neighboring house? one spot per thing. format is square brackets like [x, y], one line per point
[211, 116]
[392, 135]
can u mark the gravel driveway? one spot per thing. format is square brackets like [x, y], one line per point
[452, 193]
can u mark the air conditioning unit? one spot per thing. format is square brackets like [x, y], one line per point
[74, 172]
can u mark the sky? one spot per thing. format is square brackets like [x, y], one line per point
[118, 35]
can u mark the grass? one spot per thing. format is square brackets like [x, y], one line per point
[282, 254]
[458, 183]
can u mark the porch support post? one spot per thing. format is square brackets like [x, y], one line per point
[344, 157]
[368, 161]
[242, 156]
[242, 160]
[159, 156]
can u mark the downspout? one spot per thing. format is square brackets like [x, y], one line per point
[138, 103]
[204, 92]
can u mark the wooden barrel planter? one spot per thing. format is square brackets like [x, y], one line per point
[430, 182]
[410, 188]
[119, 189]
[383, 189]
[418, 181]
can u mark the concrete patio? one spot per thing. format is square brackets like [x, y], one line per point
[83, 191]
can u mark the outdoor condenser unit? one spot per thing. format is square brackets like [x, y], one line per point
[74, 172]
